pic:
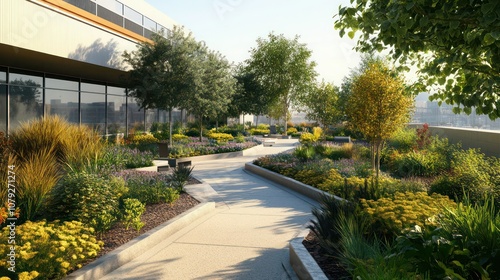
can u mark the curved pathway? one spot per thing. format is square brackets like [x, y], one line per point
[245, 238]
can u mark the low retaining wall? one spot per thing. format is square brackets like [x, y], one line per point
[486, 140]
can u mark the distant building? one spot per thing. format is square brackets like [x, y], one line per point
[64, 57]
[430, 112]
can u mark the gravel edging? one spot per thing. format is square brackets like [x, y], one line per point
[303, 264]
[140, 244]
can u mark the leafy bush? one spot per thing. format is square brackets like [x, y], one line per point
[117, 157]
[390, 215]
[339, 152]
[404, 140]
[307, 138]
[131, 213]
[148, 187]
[469, 175]
[291, 131]
[257, 131]
[88, 198]
[417, 164]
[141, 139]
[305, 152]
[179, 137]
[50, 250]
[220, 137]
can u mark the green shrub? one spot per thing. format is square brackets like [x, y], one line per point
[389, 216]
[257, 131]
[131, 213]
[88, 198]
[50, 250]
[291, 131]
[313, 172]
[404, 140]
[179, 137]
[239, 138]
[339, 152]
[148, 187]
[180, 176]
[307, 138]
[417, 164]
[469, 175]
[305, 153]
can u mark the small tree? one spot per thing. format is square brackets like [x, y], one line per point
[163, 72]
[378, 106]
[215, 86]
[322, 105]
[283, 68]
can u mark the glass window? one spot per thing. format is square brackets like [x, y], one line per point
[149, 24]
[135, 116]
[63, 103]
[112, 5]
[117, 112]
[151, 117]
[3, 77]
[25, 102]
[88, 87]
[132, 15]
[116, 91]
[3, 107]
[93, 108]
[61, 84]
[27, 80]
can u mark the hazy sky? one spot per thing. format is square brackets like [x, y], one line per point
[233, 26]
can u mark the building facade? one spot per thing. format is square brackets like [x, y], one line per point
[64, 57]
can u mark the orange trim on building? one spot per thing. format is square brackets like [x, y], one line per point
[95, 19]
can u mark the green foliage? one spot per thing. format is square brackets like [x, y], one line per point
[257, 131]
[132, 211]
[291, 130]
[417, 163]
[284, 70]
[404, 140]
[239, 138]
[467, 77]
[117, 157]
[148, 187]
[50, 250]
[220, 137]
[36, 176]
[325, 224]
[308, 138]
[88, 198]
[390, 215]
[180, 176]
[71, 144]
[305, 152]
[322, 105]
[469, 175]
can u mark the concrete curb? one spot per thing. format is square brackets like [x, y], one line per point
[140, 244]
[302, 263]
[290, 183]
[245, 152]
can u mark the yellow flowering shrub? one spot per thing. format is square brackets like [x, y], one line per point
[310, 177]
[307, 137]
[390, 215]
[220, 137]
[49, 250]
[291, 130]
[143, 139]
[178, 137]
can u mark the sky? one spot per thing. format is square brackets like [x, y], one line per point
[233, 26]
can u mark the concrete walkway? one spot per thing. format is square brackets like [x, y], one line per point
[245, 238]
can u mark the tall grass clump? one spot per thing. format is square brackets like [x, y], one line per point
[70, 143]
[36, 176]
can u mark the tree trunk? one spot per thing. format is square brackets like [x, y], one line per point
[170, 126]
[201, 128]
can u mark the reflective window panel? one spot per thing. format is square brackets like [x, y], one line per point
[135, 116]
[93, 108]
[61, 84]
[3, 108]
[89, 87]
[63, 103]
[117, 112]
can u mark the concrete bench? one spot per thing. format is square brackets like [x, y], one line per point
[162, 168]
[269, 142]
[342, 139]
[173, 162]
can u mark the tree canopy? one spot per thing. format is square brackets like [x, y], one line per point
[321, 105]
[455, 45]
[283, 68]
[163, 73]
[378, 106]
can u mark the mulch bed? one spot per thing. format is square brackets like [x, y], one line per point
[154, 216]
[330, 265]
